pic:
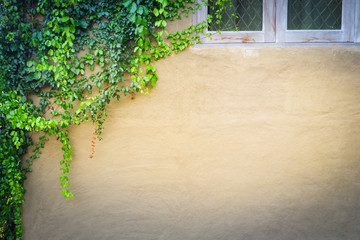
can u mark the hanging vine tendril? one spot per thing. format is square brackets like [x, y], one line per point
[49, 49]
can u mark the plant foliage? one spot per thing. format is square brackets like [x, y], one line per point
[46, 47]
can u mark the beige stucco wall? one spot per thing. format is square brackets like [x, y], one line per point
[233, 143]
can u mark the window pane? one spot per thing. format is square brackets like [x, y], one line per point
[314, 14]
[244, 15]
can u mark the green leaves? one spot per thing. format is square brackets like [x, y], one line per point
[37, 75]
[133, 7]
[111, 39]
[82, 23]
[14, 47]
[156, 12]
[64, 19]
[160, 23]
[128, 3]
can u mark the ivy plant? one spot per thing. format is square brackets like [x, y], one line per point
[49, 49]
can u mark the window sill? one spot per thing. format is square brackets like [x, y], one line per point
[273, 45]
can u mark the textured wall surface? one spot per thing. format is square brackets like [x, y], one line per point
[233, 143]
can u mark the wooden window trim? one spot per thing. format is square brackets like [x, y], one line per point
[357, 22]
[346, 34]
[266, 35]
[275, 27]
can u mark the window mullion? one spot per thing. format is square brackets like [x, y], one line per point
[269, 20]
[281, 20]
[357, 22]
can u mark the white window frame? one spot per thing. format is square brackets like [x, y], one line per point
[266, 35]
[275, 27]
[345, 34]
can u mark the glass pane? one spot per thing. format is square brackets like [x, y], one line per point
[314, 14]
[244, 15]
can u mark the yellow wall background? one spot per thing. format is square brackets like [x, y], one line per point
[233, 143]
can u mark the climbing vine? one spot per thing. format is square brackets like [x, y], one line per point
[52, 50]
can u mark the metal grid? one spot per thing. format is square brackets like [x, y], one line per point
[244, 15]
[314, 14]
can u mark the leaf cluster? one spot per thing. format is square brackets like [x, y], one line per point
[75, 57]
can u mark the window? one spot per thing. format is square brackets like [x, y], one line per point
[285, 21]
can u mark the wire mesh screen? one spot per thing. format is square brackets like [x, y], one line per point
[314, 14]
[243, 15]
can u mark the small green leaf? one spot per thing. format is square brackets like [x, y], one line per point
[82, 23]
[133, 7]
[127, 3]
[132, 17]
[14, 47]
[156, 12]
[140, 10]
[154, 80]
[65, 19]
[140, 42]
[37, 75]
